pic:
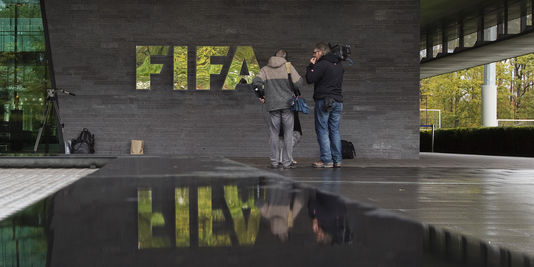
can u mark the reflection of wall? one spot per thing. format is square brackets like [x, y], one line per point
[113, 221]
[98, 221]
[94, 48]
[245, 229]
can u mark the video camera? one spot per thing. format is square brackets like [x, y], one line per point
[342, 52]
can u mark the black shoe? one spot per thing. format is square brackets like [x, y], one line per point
[272, 166]
[290, 166]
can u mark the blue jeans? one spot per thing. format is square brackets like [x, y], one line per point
[327, 130]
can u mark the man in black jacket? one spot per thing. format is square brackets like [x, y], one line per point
[326, 72]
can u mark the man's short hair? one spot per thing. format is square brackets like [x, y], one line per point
[281, 53]
[322, 46]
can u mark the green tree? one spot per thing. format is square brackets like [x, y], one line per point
[505, 109]
[457, 95]
[521, 81]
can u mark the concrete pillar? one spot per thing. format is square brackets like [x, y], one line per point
[489, 97]
[489, 88]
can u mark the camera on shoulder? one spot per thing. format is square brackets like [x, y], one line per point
[342, 52]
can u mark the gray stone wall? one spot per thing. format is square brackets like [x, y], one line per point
[93, 51]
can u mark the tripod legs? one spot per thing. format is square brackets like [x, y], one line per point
[59, 126]
[51, 103]
[44, 121]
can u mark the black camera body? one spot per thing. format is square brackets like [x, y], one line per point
[259, 92]
[341, 51]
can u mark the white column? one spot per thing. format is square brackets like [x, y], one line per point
[489, 88]
[489, 97]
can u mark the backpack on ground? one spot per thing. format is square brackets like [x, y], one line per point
[84, 144]
[347, 150]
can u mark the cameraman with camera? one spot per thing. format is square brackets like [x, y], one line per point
[326, 72]
[276, 96]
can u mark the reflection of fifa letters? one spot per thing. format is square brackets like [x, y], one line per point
[245, 229]
[244, 65]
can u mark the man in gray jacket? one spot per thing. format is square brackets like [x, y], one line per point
[278, 93]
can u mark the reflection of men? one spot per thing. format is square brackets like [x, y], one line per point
[326, 72]
[329, 222]
[278, 92]
[282, 205]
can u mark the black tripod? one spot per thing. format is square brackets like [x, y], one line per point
[51, 103]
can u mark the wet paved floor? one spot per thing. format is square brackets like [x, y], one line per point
[203, 212]
[487, 198]
[490, 198]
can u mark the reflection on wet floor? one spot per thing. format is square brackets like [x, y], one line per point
[278, 203]
[495, 205]
[214, 212]
[202, 222]
[229, 214]
[244, 215]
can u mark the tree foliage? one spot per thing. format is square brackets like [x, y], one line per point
[517, 78]
[457, 95]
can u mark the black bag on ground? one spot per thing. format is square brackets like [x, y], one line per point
[84, 144]
[347, 150]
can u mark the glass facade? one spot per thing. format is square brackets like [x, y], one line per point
[24, 78]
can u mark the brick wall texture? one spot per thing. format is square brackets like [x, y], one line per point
[93, 52]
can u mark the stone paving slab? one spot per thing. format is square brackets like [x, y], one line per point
[19, 188]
